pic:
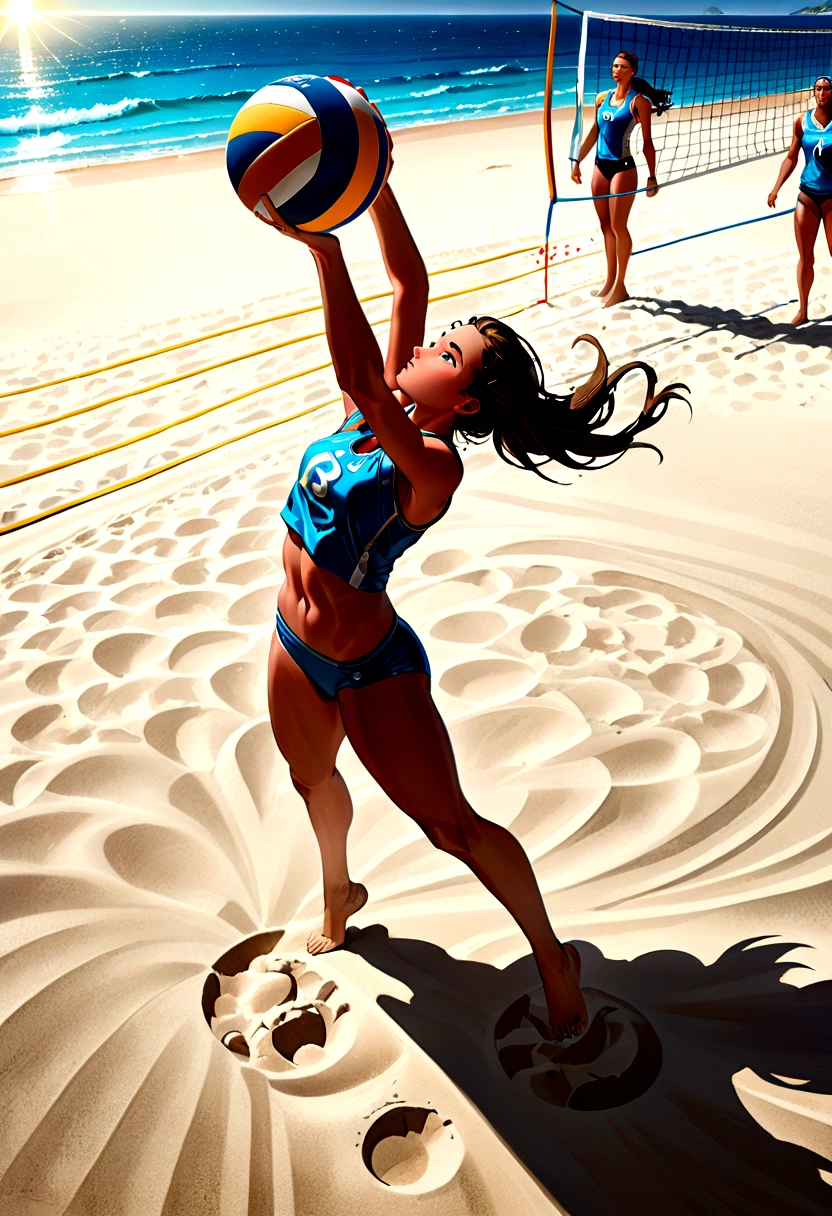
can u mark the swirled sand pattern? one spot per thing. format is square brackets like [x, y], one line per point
[647, 741]
[635, 684]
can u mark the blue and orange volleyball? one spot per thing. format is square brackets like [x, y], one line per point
[314, 145]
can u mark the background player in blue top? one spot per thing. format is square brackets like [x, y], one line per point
[812, 133]
[342, 663]
[617, 113]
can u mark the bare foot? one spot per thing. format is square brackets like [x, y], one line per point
[336, 914]
[567, 1008]
[616, 296]
[599, 292]
[799, 318]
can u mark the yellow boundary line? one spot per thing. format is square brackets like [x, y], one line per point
[158, 430]
[232, 329]
[167, 426]
[158, 384]
[150, 388]
[137, 478]
[253, 354]
[163, 468]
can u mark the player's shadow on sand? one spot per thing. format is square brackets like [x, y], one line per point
[758, 326]
[643, 1120]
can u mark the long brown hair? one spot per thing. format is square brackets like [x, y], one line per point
[659, 98]
[530, 427]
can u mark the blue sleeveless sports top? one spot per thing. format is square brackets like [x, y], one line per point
[345, 509]
[615, 126]
[817, 147]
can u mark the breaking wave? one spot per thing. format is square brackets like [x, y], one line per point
[37, 119]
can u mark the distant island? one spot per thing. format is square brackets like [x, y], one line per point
[713, 11]
[825, 7]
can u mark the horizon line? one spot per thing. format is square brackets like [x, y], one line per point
[525, 7]
[472, 9]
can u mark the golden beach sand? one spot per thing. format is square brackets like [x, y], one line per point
[634, 666]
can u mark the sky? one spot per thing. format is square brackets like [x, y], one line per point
[760, 8]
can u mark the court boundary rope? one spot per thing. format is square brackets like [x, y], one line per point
[86, 373]
[148, 473]
[145, 474]
[73, 460]
[710, 231]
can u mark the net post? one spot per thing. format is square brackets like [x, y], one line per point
[547, 110]
[578, 127]
[547, 140]
[545, 299]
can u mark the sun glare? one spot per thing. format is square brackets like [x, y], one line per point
[23, 16]
[21, 11]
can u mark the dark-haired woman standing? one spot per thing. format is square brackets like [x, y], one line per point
[617, 112]
[342, 662]
[812, 133]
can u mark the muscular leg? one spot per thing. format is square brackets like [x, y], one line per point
[600, 186]
[401, 740]
[620, 209]
[308, 730]
[806, 224]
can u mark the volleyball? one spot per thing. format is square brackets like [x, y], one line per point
[314, 145]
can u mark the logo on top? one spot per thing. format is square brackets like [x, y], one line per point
[822, 153]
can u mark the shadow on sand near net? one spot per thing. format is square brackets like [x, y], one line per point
[758, 326]
[640, 1116]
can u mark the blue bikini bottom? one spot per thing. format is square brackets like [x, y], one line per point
[398, 652]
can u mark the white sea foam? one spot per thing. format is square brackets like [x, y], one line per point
[501, 67]
[34, 146]
[38, 118]
[442, 88]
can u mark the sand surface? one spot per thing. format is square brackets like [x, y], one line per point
[634, 666]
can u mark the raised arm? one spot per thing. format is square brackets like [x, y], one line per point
[790, 160]
[408, 278]
[359, 368]
[589, 142]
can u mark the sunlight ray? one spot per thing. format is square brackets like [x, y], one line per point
[66, 17]
[63, 33]
[46, 48]
[24, 15]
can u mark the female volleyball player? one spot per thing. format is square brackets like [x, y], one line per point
[812, 133]
[615, 178]
[342, 662]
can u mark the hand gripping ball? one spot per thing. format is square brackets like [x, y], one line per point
[314, 145]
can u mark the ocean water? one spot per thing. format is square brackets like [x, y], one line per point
[115, 89]
[151, 86]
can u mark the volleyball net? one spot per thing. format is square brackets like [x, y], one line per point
[735, 91]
